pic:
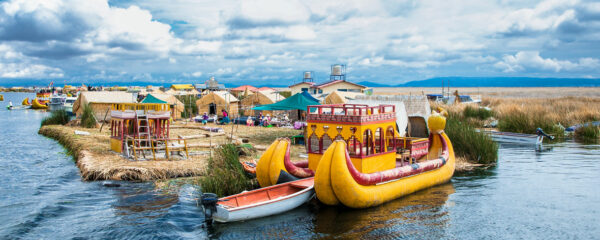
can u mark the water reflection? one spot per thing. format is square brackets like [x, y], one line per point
[139, 201]
[404, 217]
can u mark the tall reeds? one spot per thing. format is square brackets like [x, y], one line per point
[225, 175]
[60, 117]
[88, 120]
[588, 134]
[470, 144]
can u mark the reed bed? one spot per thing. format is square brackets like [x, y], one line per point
[566, 111]
[88, 120]
[225, 175]
[96, 162]
[60, 117]
[588, 134]
[474, 146]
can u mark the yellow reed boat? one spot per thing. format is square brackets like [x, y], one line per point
[35, 104]
[358, 158]
[337, 180]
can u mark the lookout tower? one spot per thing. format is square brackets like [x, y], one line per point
[338, 72]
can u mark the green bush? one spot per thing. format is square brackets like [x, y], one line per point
[588, 134]
[225, 176]
[88, 120]
[476, 112]
[475, 146]
[60, 117]
[189, 101]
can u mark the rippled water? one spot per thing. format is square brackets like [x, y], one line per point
[530, 195]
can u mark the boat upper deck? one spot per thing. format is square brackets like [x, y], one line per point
[350, 113]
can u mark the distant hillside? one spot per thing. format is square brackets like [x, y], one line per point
[504, 82]
[372, 84]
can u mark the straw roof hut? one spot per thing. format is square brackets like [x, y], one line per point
[257, 99]
[177, 107]
[213, 102]
[100, 102]
[337, 97]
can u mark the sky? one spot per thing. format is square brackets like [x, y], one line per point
[271, 42]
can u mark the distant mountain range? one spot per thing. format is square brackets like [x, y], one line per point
[495, 82]
[432, 82]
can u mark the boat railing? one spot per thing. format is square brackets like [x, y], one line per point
[350, 109]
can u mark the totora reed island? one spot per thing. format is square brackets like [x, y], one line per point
[290, 119]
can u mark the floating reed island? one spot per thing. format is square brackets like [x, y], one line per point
[96, 161]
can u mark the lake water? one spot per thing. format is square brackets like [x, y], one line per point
[549, 194]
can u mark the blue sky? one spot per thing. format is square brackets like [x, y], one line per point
[273, 41]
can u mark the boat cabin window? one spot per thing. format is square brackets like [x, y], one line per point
[313, 146]
[368, 142]
[389, 136]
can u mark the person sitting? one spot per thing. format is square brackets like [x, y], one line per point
[204, 118]
[266, 120]
[225, 119]
[249, 122]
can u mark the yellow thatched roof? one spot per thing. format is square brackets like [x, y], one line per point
[182, 86]
[102, 97]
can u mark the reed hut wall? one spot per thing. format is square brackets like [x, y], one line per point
[257, 99]
[213, 103]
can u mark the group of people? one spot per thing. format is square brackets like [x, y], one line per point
[264, 120]
[224, 120]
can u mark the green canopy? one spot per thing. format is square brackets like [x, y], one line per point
[297, 102]
[152, 99]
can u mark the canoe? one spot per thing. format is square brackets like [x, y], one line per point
[35, 104]
[262, 202]
[337, 181]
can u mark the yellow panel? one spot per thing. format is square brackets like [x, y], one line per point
[313, 160]
[115, 145]
[377, 163]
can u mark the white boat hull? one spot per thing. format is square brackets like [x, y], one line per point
[509, 137]
[263, 209]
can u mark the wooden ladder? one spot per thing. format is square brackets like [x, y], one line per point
[143, 142]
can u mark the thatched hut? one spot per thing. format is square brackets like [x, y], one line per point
[337, 97]
[177, 107]
[100, 102]
[213, 102]
[238, 91]
[257, 99]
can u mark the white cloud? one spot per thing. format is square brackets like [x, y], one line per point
[16, 70]
[196, 74]
[532, 61]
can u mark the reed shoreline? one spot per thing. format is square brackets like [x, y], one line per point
[95, 161]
